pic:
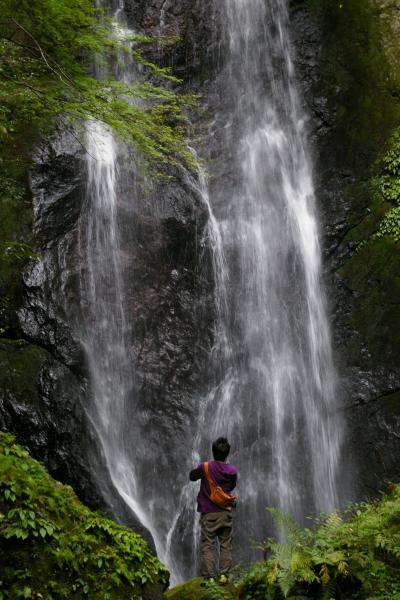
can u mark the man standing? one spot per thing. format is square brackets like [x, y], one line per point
[215, 505]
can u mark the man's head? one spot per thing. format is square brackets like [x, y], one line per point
[220, 449]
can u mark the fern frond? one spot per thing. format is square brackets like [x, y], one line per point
[300, 560]
[307, 575]
[343, 568]
[286, 524]
[283, 555]
[286, 582]
[334, 520]
[324, 574]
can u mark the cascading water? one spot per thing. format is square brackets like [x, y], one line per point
[280, 334]
[271, 384]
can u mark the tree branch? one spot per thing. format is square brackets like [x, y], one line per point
[57, 70]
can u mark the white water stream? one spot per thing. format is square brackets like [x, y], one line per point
[106, 332]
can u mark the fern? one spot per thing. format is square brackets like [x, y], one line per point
[355, 554]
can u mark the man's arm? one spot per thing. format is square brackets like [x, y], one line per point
[196, 473]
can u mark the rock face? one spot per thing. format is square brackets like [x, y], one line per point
[350, 82]
[172, 282]
[194, 22]
[169, 293]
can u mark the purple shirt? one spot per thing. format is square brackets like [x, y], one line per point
[223, 474]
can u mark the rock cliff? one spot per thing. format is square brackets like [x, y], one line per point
[349, 75]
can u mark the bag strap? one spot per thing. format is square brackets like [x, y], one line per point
[210, 480]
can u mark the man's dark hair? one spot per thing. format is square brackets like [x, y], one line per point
[220, 448]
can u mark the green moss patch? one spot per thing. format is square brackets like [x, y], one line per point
[53, 547]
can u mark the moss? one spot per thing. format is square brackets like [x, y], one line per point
[19, 366]
[373, 272]
[52, 546]
[19, 361]
[15, 231]
[361, 56]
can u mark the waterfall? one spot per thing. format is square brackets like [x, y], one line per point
[272, 387]
[104, 326]
[271, 382]
[281, 403]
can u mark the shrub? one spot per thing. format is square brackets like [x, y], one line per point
[52, 546]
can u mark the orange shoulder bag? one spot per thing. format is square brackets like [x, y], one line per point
[217, 494]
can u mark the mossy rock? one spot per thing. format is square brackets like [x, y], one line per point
[190, 590]
[373, 274]
[360, 54]
[53, 547]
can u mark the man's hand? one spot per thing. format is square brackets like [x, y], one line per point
[196, 473]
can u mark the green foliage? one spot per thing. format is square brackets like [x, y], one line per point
[356, 557]
[382, 216]
[389, 170]
[47, 49]
[390, 225]
[387, 190]
[391, 160]
[51, 546]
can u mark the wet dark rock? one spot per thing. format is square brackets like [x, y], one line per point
[168, 284]
[56, 183]
[194, 21]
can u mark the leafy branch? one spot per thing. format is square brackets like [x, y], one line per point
[45, 73]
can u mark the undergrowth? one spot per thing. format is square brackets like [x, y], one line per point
[51, 546]
[355, 555]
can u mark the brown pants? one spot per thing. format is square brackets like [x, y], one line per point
[213, 526]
